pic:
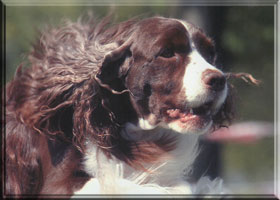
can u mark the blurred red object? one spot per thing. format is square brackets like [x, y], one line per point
[242, 132]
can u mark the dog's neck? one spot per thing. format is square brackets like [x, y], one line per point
[169, 167]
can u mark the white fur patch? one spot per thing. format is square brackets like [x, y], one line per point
[195, 91]
[124, 186]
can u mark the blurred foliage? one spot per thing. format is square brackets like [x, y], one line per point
[242, 157]
[247, 41]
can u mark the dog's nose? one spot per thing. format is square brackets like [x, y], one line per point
[214, 80]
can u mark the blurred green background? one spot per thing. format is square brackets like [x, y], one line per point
[244, 38]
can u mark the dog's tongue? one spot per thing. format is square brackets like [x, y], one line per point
[173, 113]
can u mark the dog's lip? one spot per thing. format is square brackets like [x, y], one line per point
[182, 113]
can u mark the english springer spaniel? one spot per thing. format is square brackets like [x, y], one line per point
[113, 109]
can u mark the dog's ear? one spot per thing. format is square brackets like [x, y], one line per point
[115, 67]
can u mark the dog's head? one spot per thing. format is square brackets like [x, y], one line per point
[168, 67]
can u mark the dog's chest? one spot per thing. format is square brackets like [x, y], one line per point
[165, 176]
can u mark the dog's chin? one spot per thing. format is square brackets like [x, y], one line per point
[181, 123]
[193, 125]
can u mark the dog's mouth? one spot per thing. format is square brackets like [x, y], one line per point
[185, 114]
[190, 118]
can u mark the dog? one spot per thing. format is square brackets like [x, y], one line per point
[113, 109]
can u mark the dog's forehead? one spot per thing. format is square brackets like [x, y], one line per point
[159, 25]
[158, 31]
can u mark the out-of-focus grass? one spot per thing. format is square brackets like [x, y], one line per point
[249, 167]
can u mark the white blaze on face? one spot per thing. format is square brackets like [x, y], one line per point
[193, 85]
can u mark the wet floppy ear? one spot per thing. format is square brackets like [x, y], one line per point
[115, 67]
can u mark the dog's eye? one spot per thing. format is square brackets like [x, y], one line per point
[167, 53]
